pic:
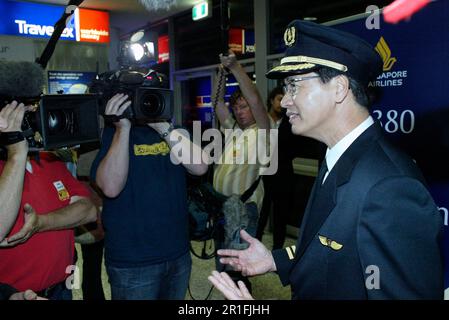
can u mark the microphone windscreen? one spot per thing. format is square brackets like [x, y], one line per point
[21, 79]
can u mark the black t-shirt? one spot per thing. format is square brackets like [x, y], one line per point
[148, 222]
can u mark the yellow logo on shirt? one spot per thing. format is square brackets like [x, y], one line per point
[63, 194]
[161, 148]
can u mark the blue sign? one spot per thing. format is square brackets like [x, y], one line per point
[250, 41]
[414, 108]
[72, 82]
[33, 20]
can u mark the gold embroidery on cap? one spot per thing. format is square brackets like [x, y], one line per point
[290, 36]
[293, 67]
[324, 62]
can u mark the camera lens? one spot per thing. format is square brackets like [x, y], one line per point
[58, 121]
[152, 105]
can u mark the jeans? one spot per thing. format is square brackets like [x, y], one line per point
[58, 292]
[163, 281]
[281, 198]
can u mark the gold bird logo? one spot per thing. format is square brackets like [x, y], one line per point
[384, 51]
[325, 241]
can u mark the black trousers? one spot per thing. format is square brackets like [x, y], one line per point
[280, 198]
[92, 259]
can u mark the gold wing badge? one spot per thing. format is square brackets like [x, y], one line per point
[384, 51]
[330, 243]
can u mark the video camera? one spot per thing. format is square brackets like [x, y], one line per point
[56, 120]
[64, 120]
[151, 102]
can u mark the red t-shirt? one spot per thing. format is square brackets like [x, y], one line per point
[42, 261]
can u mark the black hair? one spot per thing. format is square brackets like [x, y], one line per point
[362, 94]
[273, 93]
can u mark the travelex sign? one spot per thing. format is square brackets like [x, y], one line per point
[37, 20]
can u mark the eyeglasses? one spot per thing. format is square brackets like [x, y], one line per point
[290, 85]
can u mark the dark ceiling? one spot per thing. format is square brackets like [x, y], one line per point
[284, 11]
[202, 39]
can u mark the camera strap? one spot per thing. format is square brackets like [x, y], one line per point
[112, 118]
[8, 138]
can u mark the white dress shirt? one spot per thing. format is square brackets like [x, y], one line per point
[332, 155]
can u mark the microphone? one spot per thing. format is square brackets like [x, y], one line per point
[154, 5]
[21, 79]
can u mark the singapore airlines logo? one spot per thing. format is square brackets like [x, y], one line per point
[384, 51]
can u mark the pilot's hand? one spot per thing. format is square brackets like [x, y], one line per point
[228, 287]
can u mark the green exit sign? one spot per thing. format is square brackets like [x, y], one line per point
[201, 11]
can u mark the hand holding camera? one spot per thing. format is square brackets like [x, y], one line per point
[150, 101]
[11, 117]
[115, 107]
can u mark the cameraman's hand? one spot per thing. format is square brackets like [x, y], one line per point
[229, 61]
[11, 117]
[26, 295]
[116, 106]
[30, 227]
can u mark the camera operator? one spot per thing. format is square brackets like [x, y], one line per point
[145, 208]
[11, 180]
[41, 203]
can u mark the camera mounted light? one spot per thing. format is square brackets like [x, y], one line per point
[139, 50]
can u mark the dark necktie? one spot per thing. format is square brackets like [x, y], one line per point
[322, 172]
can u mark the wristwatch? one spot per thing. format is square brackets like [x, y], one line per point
[167, 132]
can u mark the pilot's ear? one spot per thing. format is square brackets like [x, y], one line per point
[341, 88]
